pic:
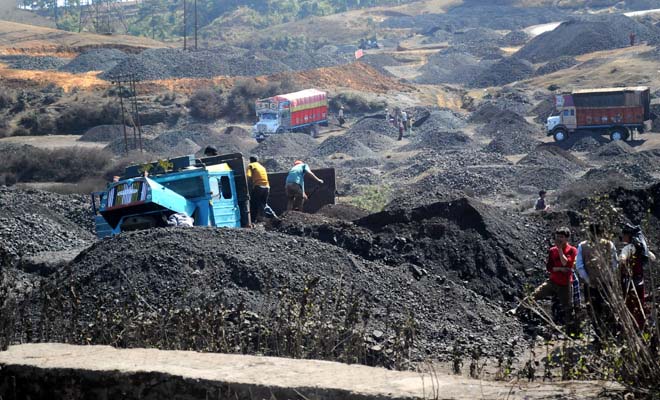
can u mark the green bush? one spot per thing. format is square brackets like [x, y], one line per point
[371, 198]
[354, 103]
[6, 99]
[206, 104]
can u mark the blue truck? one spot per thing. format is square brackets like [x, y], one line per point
[212, 190]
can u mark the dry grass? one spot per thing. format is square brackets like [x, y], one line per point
[65, 80]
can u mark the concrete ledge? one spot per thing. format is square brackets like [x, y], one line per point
[58, 371]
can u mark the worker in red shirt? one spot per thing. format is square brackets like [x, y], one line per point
[560, 265]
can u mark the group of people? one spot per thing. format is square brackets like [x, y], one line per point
[259, 186]
[596, 269]
[401, 120]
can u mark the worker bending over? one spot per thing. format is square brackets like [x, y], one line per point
[295, 185]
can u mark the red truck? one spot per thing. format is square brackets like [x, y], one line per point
[615, 111]
[298, 111]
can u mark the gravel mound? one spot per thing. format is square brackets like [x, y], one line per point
[585, 35]
[344, 212]
[34, 63]
[104, 133]
[95, 60]
[626, 173]
[505, 71]
[588, 143]
[244, 290]
[33, 221]
[296, 145]
[556, 65]
[485, 113]
[543, 110]
[614, 149]
[510, 143]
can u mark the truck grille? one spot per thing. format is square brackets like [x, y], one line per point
[262, 127]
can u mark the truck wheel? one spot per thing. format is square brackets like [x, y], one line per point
[560, 135]
[279, 130]
[619, 133]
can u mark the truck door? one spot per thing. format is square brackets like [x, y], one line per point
[568, 118]
[225, 204]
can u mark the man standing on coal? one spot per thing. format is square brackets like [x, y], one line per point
[560, 265]
[295, 185]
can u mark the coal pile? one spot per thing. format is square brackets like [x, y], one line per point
[588, 143]
[33, 221]
[460, 239]
[515, 38]
[585, 35]
[437, 140]
[33, 63]
[95, 60]
[104, 133]
[556, 65]
[511, 99]
[505, 71]
[190, 140]
[511, 143]
[553, 156]
[451, 66]
[624, 173]
[344, 212]
[380, 61]
[485, 113]
[544, 109]
[175, 270]
[343, 145]
[294, 145]
[613, 149]
[375, 133]
[511, 133]
[441, 120]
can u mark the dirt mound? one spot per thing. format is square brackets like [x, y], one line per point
[32, 221]
[512, 143]
[585, 35]
[95, 60]
[625, 173]
[511, 133]
[105, 133]
[613, 149]
[286, 145]
[220, 279]
[590, 143]
[512, 99]
[505, 71]
[556, 65]
[544, 109]
[380, 61]
[485, 113]
[553, 156]
[33, 63]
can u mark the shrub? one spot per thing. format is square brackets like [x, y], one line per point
[37, 124]
[69, 164]
[354, 103]
[371, 198]
[206, 104]
[79, 117]
[6, 99]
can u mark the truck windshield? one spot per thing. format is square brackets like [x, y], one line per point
[268, 116]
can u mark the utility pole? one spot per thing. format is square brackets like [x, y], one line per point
[195, 24]
[185, 47]
[123, 117]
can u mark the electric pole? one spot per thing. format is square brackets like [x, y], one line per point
[184, 26]
[195, 24]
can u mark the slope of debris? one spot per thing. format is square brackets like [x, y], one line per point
[586, 35]
[33, 221]
[176, 271]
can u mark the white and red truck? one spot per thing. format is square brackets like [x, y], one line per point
[617, 112]
[291, 112]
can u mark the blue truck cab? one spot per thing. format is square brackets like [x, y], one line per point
[211, 190]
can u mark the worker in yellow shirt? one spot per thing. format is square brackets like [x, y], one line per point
[257, 177]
